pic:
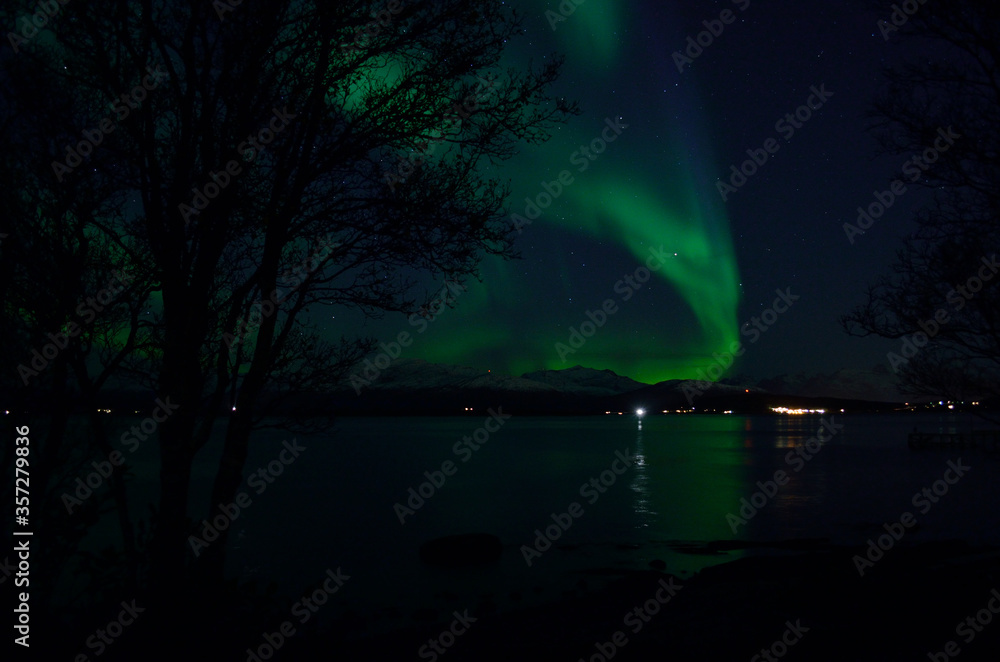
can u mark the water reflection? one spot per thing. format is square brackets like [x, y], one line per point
[793, 431]
[640, 484]
[689, 472]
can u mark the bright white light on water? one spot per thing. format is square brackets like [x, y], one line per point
[640, 412]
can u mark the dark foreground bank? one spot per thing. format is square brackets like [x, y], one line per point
[938, 601]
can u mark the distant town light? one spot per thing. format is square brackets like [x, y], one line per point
[796, 412]
[640, 412]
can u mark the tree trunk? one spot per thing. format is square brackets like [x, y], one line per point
[234, 454]
[227, 481]
[167, 571]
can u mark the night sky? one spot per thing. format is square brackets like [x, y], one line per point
[656, 185]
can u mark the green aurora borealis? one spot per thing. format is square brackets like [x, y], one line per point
[653, 186]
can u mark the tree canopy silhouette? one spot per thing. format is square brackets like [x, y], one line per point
[940, 296]
[242, 163]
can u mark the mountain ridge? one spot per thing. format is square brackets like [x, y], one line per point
[416, 386]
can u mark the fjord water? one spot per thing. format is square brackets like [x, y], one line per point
[334, 506]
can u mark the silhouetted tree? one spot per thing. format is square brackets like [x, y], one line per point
[56, 255]
[940, 296]
[264, 158]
